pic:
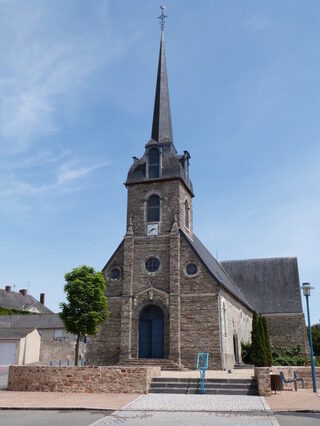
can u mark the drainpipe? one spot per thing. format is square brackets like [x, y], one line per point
[221, 331]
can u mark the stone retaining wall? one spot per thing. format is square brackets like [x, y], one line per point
[55, 350]
[81, 379]
[263, 377]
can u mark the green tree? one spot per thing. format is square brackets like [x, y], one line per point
[263, 361]
[255, 339]
[267, 342]
[258, 349]
[315, 330]
[86, 305]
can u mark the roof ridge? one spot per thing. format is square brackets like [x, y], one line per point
[260, 259]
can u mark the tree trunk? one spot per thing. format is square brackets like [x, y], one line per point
[76, 358]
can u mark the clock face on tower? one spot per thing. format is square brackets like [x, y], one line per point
[152, 229]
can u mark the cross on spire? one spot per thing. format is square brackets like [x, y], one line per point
[162, 17]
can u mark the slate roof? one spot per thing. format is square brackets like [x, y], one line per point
[16, 300]
[216, 269]
[172, 168]
[270, 285]
[111, 258]
[10, 334]
[161, 135]
[161, 125]
[39, 321]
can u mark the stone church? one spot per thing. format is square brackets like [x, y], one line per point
[169, 298]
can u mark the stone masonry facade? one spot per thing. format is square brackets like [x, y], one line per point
[81, 379]
[264, 383]
[236, 320]
[191, 304]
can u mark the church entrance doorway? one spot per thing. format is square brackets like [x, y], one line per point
[151, 332]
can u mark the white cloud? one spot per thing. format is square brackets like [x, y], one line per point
[42, 64]
[50, 61]
[66, 174]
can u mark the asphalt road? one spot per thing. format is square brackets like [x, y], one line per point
[49, 417]
[133, 418]
[3, 378]
[299, 419]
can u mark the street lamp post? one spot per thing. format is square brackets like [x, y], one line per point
[306, 287]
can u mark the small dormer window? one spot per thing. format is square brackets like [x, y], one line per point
[153, 163]
[186, 158]
[153, 213]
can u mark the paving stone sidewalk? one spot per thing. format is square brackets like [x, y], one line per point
[187, 403]
[192, 410]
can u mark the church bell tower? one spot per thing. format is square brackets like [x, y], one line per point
[159, 187]
[159, 204]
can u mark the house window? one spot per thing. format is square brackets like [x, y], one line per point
[153, 163]
[58, 334]
[186, 214]
[153, 214]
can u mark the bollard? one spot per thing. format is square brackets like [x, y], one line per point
[202, 366]
[68, 361]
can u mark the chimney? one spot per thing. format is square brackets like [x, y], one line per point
[42, 296]
[8, 288]
[23, 291]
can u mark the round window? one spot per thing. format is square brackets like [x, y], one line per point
[152, 264]
[114, 273]
[191, 269]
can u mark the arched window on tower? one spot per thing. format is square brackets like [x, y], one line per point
[153, 163]
[186, 214]
[153, 213]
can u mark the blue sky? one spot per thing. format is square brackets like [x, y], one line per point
[77, 82]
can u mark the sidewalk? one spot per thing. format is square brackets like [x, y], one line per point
[303, 400]
[60, 400]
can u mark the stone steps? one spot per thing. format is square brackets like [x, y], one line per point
[212, 386]
[165, 364]
[240, 366]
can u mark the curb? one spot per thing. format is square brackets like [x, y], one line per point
[295, 411]
[111, 410]
[108, 410]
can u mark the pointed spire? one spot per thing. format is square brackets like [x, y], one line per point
[161, 126]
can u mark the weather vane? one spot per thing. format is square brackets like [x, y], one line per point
[162, 17]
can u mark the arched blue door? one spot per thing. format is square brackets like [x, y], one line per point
[151, 332]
